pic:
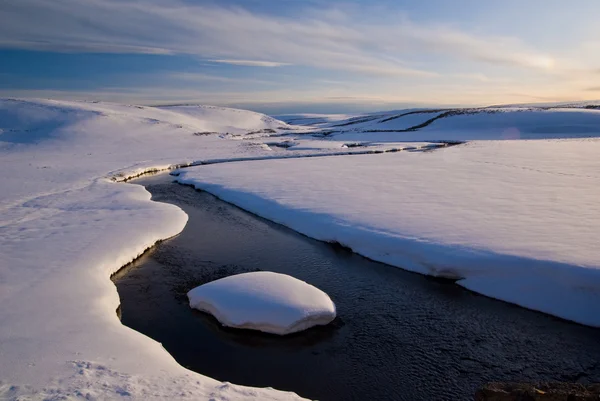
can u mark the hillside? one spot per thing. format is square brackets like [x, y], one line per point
[508, 122]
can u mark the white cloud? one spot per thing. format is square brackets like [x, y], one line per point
[331, 39]
[205, 78]
[251, 63]
[382, 94]
[366, 53]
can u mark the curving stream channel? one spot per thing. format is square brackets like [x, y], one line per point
[399, 335]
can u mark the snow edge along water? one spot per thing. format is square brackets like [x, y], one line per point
[66, 226]
[547, 286]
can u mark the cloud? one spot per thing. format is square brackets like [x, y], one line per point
[202, 78]
[162, 94]
[474, 77]
[251, 63]
[593, 89]
[496, 50]
[335, 39]
[383, 95]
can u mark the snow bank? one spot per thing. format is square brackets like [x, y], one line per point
[65, 227]
[265, 301]
[316, 146]
[514, 220]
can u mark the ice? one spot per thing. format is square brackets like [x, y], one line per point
[514, 220]
[265, 301]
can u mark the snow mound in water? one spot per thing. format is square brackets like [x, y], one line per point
[265, 301]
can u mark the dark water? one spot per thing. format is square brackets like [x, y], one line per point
[399, 336]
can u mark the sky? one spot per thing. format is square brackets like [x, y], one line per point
[302, 56]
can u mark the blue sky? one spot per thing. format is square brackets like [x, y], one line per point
[289, 55]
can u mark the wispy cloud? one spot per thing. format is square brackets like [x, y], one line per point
[330, 39]
[336, 52]
[201, 77]
[251, 63]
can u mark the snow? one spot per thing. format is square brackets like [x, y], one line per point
[522, 123]
[316, 146]
[514, 220]
[227, 120]
[514, 122]
[65, 227]
[404, 120]
[311, 119]
[265, 301]
[394, 121]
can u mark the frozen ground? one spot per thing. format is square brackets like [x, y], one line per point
[265, 301]
[512, 216]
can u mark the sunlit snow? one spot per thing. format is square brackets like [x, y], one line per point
[515, 220]
[265, 301]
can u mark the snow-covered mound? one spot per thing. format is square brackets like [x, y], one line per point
[265, 301]
[515, 220]
[222, 119]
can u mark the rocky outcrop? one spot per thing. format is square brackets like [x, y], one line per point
[538, 392]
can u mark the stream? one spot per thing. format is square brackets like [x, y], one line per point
[398, 335]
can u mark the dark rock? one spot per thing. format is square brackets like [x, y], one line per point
[205, 133]
[538, 392]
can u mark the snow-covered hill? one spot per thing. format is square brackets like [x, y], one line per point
[508, 122]
[220, 119]
[525, 209]
[65, 227]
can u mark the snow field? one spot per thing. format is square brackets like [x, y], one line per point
[65, 227]
[508, 219]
